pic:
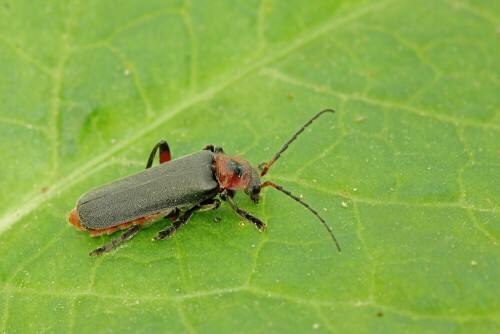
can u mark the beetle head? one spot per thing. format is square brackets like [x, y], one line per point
[235, 173]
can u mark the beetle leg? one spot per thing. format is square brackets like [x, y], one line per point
[208, 147]
[115, 242]
[132, 231]
[164, 153]
[214, 149]
[209, 204]
[228, 197]
[262, 165]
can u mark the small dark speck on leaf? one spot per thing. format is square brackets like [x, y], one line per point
[289, 95]
[380, 314]
[44, 190]
[6, 6]
[217, 219]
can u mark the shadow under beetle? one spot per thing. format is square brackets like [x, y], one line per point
[175, 190]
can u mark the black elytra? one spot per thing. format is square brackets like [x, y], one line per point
[175, 190]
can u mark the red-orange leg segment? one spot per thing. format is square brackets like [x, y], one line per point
[164, 153]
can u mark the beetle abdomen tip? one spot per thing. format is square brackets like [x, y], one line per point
[74, 220]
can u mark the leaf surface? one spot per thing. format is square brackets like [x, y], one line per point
[406, 172]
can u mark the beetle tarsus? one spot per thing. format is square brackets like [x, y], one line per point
[166, 233]
[97, 251]
[259, 224]
[116, 241]
[228, 197]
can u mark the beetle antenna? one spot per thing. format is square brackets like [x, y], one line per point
[265, 166]
[280, 188]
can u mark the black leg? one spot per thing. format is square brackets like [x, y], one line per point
[164, 153]
[209, 204]
[228, 197]
[208, 147]
[215, 149]
[133, 231]
[115, 242]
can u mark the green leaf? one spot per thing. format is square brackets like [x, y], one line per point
[406, 172]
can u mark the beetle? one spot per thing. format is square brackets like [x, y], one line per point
[175, 190]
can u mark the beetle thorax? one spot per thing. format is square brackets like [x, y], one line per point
[233, 173]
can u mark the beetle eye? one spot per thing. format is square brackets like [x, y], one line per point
[235, 167]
